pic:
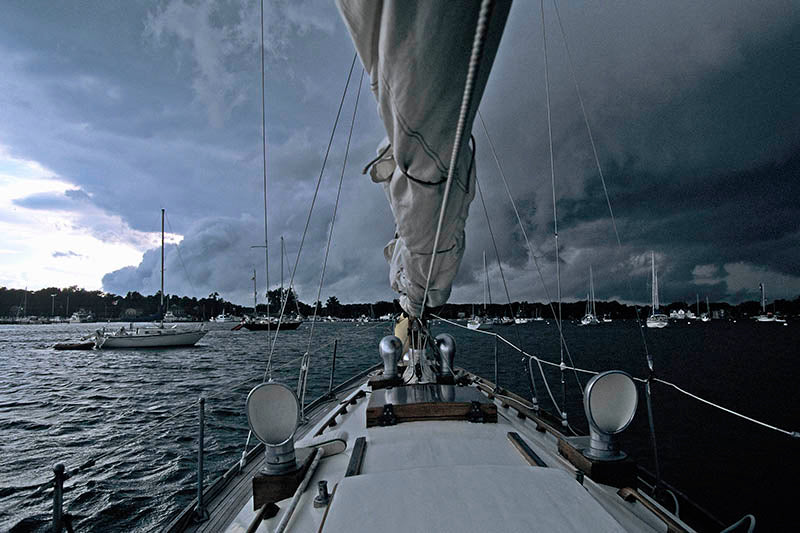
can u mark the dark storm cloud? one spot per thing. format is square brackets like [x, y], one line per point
[695, 109]
[697, 148]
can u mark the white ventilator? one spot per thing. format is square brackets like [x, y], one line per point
[273, 414]
[610, 403]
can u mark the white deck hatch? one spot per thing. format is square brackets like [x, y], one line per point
[459, 499]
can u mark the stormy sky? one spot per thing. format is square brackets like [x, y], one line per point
[110, 111]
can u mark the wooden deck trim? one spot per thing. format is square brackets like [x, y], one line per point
[630, 495]
[356, 457]
[510, 399]
[331, 421]
[527, 453]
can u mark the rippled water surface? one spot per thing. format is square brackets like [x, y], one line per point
[135, 411]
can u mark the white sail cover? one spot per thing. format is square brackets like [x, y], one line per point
[417, 56]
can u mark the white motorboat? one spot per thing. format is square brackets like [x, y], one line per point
[476, 322]
[81, 317]
[223, 317]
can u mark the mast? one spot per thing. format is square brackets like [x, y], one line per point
[283, 252]
[763, 299]
[697, 297]
[264, 162]
[255, 296]
[591, 290]
[486, 281]
[161, 309]
[655, 282]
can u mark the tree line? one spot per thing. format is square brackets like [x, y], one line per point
[62, 302]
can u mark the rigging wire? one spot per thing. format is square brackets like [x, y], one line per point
[502, 275]
[267, 371]
[597, 163]
[481, 32]
[330, 238]
[555, 209]
[530, 248]
[649, 358]
[644, 381]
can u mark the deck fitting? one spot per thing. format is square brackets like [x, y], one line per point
[475, 414]
[387, 418]
[323, 497]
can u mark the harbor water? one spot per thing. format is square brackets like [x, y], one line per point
[127, 420]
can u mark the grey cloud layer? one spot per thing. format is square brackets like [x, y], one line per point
[695, 109]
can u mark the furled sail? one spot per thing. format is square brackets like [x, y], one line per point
[417, 55]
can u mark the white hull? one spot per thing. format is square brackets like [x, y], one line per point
[418, 460]
[657, 321]
[150, 338]
[589, 320]
[769, 318]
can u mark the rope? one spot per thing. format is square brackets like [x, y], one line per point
[330, 233]
[267, 371]
[733, 527]
[794, 434]
[466, 103]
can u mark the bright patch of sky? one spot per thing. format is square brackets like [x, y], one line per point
[52, 235]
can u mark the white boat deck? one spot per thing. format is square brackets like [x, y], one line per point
[453, 476]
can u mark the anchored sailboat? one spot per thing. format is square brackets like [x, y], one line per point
[482, 322]
[590, 318]
[765, 315]
[656, 319]
[150, 336]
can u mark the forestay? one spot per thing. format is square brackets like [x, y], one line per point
[417, 60]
